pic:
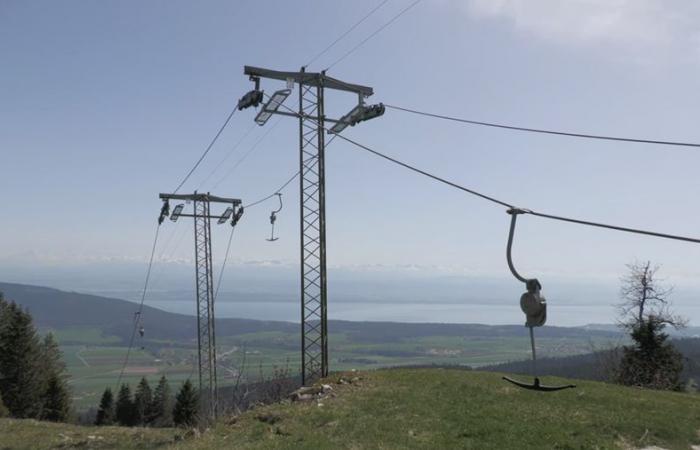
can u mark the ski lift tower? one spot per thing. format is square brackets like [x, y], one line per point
[206, 336]
[312, 189]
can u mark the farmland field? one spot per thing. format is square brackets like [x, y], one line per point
[95, 362]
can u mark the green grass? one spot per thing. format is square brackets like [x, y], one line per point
[425, 408]
[433, 408]
[30, 435]
[82, 335]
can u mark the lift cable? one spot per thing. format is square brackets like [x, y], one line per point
[262, 200]
[137, 315]
[211, 144]
[286, 183]
[377, 31]
[525, 211]
[339, 38]
[208, 177]
[246, 154]
[543, 131]
[231, 151]
[223, 264]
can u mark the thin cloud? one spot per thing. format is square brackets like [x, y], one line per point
[638, 27]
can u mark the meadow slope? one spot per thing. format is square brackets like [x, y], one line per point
[424, 408]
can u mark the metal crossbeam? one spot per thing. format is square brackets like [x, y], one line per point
[310, 79]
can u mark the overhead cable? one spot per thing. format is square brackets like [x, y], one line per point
[211, 144]
[349, 30]
[286, 183]
[525, 211]
[543, 131]
[137, 315]
[377, 31]
[228, 154]
[246, 154]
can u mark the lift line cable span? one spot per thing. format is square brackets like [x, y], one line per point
[246, 154]
[208, 177]
[204, 154]
[227, 156]
[223, 264]
[286, 183]
[137, 316]
[542, 131]
[349, 30]
[376, 32]
[525, 211]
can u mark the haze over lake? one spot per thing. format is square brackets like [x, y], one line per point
[407, 295]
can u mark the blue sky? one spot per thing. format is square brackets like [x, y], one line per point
[105, 104]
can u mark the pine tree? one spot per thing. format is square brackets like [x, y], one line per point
[143, 403]
[105, 415]
[21, 382]
[56, 401]
[162, 404]
[55, 396]
[652, 362]
[3, 409]
[185, 411]
[124, 409]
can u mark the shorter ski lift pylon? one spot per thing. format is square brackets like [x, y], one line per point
[534, 305]
[273, 218]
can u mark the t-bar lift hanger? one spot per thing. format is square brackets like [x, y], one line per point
[273, 217]
[534, 305]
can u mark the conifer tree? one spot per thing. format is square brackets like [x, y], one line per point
[162, 404]
[185, 411]
[55, 396]
[56, 400]
[21, 382]
[143, 403]
[124, 409]
[3, 409]
[652, 361]
[105, 415]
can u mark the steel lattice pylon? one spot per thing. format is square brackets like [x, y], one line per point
[206, 337]
[204, 281]
[312, 120]
[314, 337]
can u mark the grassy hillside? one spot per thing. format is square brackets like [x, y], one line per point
[426, 408]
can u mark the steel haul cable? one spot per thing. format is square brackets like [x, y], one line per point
[137, 316]
[543, 131]
[377, 31]
[204, 154]
[346, 33]
[509, 205]
[526, 211]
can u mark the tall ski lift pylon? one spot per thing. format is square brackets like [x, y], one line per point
[312, 189]
[206, 333]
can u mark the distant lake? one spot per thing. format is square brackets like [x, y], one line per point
[562, 315]
[489, 306]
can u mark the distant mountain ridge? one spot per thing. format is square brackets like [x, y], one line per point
[53, 308]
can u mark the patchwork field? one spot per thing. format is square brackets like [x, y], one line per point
[94, 362]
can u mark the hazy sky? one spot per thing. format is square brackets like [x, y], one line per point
[105, 104]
